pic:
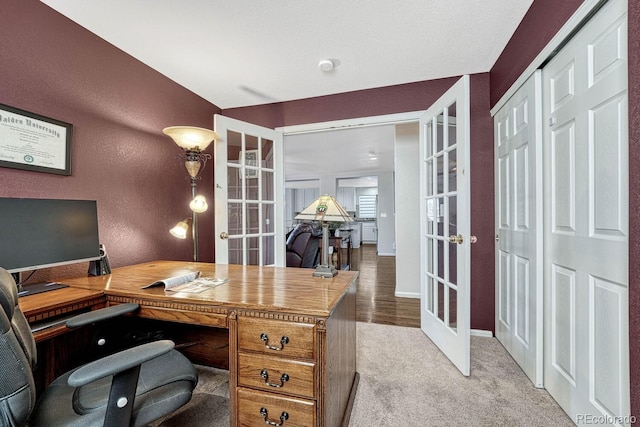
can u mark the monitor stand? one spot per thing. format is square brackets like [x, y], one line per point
[37, 288]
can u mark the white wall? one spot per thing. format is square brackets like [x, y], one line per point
[386, 217]
[407, 203]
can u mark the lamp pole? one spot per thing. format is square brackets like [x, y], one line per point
[195, 161]
[194, 222]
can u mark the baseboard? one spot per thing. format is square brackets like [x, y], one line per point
[481, 333]
[407, 295]
[384, 254]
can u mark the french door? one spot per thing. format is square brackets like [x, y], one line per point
[249, 194]
[444, 224]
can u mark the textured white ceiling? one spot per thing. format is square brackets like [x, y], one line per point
[345, 153]
[245, 52]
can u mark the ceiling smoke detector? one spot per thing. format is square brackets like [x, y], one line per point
[327, 65]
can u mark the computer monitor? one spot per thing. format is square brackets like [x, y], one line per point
[39, 233]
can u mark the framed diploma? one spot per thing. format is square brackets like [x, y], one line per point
[33, 142]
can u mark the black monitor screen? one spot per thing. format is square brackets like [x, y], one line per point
[38, 233]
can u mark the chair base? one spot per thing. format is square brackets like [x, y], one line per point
[325, 271]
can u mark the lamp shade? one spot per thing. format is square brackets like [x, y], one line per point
[191, 138]
[199, 204]
[325, 208]
[180, 229]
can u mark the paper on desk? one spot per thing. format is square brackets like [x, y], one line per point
[174, 281]
[198, 285]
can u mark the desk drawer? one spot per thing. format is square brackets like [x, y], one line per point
[275, 374]
[255, 408]
[276, 337]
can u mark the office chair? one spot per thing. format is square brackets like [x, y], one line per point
[133, 387]
[302, 246]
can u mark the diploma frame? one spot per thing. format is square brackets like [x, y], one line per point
[38, 122]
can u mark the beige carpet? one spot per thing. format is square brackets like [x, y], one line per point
[406, 381]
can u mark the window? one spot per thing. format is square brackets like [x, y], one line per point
[367, 206]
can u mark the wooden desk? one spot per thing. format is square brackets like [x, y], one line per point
[47, 307]
[296, 330]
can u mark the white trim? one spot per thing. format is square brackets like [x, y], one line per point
[386, 254]
[582, 12]
[407, 295]
[481, 333]
[386, 119]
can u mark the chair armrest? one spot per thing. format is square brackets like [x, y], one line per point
[119, 362]
[100, 315]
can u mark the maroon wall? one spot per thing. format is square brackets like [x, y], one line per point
[543, 20]
[482, 207]
[364, 103]
[416, 97]
[118, 107]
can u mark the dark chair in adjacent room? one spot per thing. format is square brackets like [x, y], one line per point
[302, 245]
[132, 387]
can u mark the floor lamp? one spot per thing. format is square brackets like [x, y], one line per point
[325, 209]
[193, 140]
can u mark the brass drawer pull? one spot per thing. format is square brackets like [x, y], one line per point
[265, 376]
[284, 340]
[283, 417]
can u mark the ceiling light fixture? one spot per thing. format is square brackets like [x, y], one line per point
[373, 155]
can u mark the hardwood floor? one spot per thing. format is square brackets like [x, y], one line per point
[375, 300]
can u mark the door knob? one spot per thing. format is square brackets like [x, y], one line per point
[459, 239]
[224, 235]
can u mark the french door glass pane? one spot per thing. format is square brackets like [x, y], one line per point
[235, 251]
[429, 292]
[430, 254]
[429, 139]
[453, 265]
[432, 219]
[440, 215]
[235, 218]
[440, 173]
[268, 216]
[452, 125]
[267, 154]
[234, 184]
[440, 258]
[453, 169]
[252, 188]
[440, 296]
[253, 218]
[429, 178]
[234, 147]
[268, 245]
[253, 250]
[439, 132]
[453, 309]
[268, 192]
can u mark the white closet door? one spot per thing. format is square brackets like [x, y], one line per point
[518, 189]
[585, 117]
